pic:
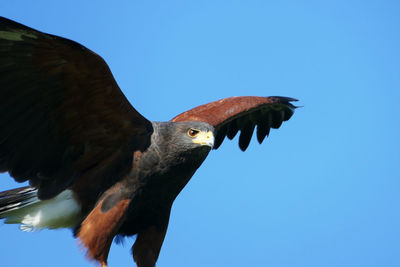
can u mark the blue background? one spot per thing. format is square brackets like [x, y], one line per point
[321, 191]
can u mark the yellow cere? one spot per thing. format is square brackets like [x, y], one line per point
[204, 138]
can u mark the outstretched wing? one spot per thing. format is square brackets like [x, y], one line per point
[229, 115]
[62, 115]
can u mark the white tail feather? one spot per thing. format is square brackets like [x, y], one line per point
[62, 211]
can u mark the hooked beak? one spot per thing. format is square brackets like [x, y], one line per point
[205, 139]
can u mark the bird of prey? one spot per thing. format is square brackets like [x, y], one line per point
[95, 164]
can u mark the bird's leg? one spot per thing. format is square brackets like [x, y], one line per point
[148, 245]
[104, 264]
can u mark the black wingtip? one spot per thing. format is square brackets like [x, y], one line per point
[286, 100]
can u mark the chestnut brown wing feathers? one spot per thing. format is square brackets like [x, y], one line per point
[62, 115]
[233, 114]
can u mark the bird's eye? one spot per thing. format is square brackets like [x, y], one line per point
[193, 132]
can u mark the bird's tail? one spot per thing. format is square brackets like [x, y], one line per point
[15, 199]
[22, 206]
[15, 202]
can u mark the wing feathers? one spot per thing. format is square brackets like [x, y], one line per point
[246, 132]
[233, 129]
[233, 114]
[262, 131]
[220, 137]
[61, 112]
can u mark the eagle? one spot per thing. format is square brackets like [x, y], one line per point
[94, 164]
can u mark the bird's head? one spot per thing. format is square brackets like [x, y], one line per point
[183, 138]
[197, 134]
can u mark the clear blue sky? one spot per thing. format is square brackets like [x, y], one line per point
[321, 191]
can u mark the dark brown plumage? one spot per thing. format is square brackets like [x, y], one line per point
[68, 129]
